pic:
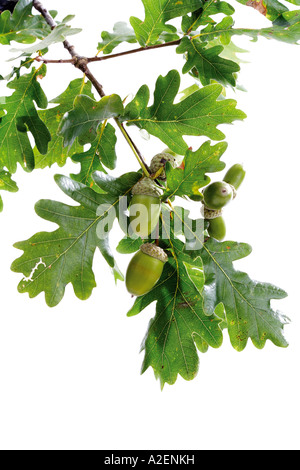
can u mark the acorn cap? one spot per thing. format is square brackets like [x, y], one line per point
[159, 161]
[154, 251]
[234, 191]
[210, 214]
[146, 187]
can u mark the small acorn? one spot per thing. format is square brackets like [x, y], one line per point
[145, 269]
[217, 195]
[217, 228]
[159, 161]
[235, 176]
[145, 207]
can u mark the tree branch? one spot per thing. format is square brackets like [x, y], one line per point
[111, 56]
[134, 51]
[82, 64]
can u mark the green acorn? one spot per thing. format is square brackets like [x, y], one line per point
[145, 269]
[145, 208]
[235, 176]
[217, 195]
[159, 161]
[217, 228]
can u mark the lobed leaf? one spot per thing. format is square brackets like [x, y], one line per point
[180, 326]
[129, 245]
[57, 152]
[84, 119]
[247, 303]
[121, 33]
[203, 15]
[157, 14]
[52, 260]
[191, 176]
[58, 34]
[102, 152]
[22, 26]
[198, 114]
[20, 117]
[287, 30]
[6, 184]
[208, 62]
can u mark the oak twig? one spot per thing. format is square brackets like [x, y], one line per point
[110, 56]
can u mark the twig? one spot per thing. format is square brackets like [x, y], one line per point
[134, 51]
[89, 60]
[53, 61]
[110, 56]
[134, 148]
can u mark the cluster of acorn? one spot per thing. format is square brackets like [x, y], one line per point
[146, 266]
[217, 195]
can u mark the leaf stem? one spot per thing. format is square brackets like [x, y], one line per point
[133, 148]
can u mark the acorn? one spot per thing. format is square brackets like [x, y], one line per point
[217, 228]
[159, 161]
[145, 269]
[145, 208]
[235, 176]
[217, 195]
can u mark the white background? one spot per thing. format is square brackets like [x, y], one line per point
[69, 376]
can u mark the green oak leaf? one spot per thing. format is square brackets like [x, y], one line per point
[247, 303]
[16, 70]
[22, 26]
[102, 152]
[189, 91]
[271, 9]
[157, 13]
[180, 325]
[129, 245]
[230, 51]
[187, 181]
[116, 186]
[287, 31]
[58, 34]
[222, 30]
[57, 152]
[6, 184]
[203, 15]
[208, 62]
[84, 119]
[52, 260]
[121, 33]
[198, 114]
[20, 118]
